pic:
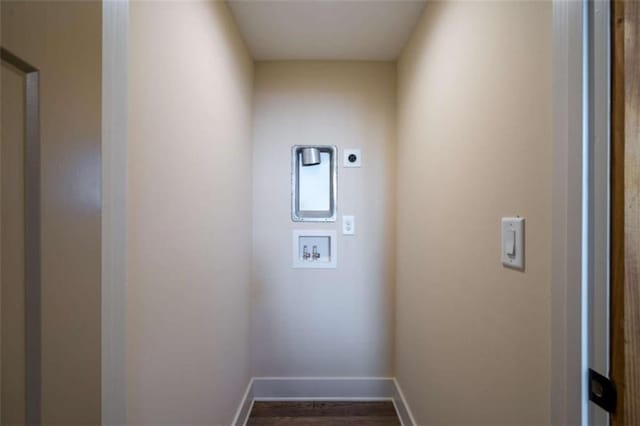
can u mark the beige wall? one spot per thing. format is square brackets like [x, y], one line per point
[324, 322]
[474, 117]
[13, 384]
[63, 39]
[189, 214]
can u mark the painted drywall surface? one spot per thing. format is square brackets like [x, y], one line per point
[13, 385]
[324, 322]
[474, 120]
[63, 40]
[189, 214]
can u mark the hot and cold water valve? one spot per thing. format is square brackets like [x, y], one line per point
[310, 256]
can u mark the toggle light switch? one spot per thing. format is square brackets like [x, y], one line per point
[513, 242]
[510, 244]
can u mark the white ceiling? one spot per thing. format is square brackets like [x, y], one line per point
[326, 29]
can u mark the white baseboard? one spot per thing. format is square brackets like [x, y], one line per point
[402, 407]
[244, 409]
[323, 389]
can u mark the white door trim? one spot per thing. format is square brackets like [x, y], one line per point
[566, 266]
[579, 292]
[598, 183]
[115, 29]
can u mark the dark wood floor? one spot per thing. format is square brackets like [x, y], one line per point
[323, 413]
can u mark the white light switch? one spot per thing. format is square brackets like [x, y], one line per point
[513, 242]
[510, 243]
[348, 225]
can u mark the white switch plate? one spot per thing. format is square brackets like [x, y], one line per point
[513, 242]
[348, 225]
[347, 153]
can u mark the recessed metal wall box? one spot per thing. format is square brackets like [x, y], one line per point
[314, 179]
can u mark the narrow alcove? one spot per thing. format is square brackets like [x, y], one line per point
[450, 107]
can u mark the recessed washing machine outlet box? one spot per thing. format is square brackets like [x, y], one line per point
[314, 249]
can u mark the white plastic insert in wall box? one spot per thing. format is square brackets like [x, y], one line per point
[314, 249]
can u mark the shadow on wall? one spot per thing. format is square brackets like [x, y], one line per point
[474, 145]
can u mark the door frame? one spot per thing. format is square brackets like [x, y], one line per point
[568, 378]
[625, 265]
[566, 215]
[596, 251]
[33, 326]
[580, 217]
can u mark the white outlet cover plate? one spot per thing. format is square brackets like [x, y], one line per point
[349, 151]
[515, 225]
[348, 225]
